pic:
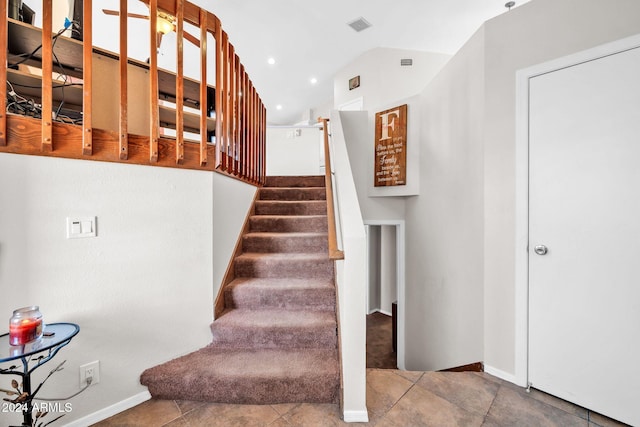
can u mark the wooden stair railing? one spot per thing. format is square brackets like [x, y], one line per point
[230, 118]
[334, 252]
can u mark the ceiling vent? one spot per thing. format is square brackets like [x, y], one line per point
[359, 24]
[406, 62]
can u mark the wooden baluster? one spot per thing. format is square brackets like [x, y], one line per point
[87, 77]
[47, 76]
[234, 112]
[250, 120]
[260, 142]
[243, 122]
[263, 136]
[204, 104]
[180, 82]
[154, 117]
[254, 135]
[3, 73]
[238, 115]
[229, 109]
[219, 91]
[224, 141]
[123, 146]
[258, 139]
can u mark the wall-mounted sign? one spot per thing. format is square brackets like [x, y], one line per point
[354, 82]
[391, 147]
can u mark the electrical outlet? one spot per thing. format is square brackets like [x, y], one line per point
[90, 370]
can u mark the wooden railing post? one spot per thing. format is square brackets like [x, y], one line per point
[236, 115]
[204, 102]
[180, 82]
[3, 72]
[219, 92]
[154, 117]
[87, 77]
[123, 147]
[228, 118]
[47, 76]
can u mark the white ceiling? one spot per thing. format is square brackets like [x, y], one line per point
[312, 39]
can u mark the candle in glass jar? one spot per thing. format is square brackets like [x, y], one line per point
[25, 325]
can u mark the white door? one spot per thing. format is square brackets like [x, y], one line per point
[584, 211]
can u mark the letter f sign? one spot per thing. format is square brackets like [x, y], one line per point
[386, 123]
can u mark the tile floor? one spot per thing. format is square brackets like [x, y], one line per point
[394, 399]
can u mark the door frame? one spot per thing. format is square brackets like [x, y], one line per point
[521, 375]
[400, 278]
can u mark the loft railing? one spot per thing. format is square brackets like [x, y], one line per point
[334, 252]
[114, 96]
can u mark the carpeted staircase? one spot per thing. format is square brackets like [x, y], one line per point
[276, 341]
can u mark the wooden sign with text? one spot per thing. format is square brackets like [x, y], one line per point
[391, 147]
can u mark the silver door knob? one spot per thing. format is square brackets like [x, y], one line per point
[541, 249]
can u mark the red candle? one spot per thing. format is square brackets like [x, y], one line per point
[25, 326]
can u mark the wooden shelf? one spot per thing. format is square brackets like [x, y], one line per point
[29, 86]
[191, 120]
[24, 39]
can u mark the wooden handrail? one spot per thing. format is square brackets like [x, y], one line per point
[3, 73]
[235, 145]
[334, 252]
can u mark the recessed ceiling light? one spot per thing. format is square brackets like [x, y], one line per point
[278, 107]
[313, 80]
[271, 61]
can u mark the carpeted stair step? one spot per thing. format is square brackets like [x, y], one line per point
[284, 265]
[287, 294]
[276, 341]
[285, 242]
[291, 207]
[288, 223]
[260, 376]
[284, 329]
[295, 181]
[292, 193]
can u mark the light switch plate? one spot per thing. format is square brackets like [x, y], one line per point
[81, 227]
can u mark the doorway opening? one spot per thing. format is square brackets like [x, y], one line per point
[385, 294]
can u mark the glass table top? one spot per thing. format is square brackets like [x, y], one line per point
[62, 332]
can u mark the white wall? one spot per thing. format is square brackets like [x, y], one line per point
[294, 151]
[461, 228]
[385, 84]
[388, 269]
[350, 272]
[444, 323]
[536, 32]
[383, 80]
[142, 291]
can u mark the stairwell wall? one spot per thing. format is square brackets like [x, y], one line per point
[142, 290]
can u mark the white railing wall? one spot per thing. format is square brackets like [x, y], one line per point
[350, 272]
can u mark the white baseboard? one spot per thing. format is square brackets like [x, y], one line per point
[110, 411]
[355, 416]
[502, 375]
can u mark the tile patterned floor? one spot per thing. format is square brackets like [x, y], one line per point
[394, 399]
